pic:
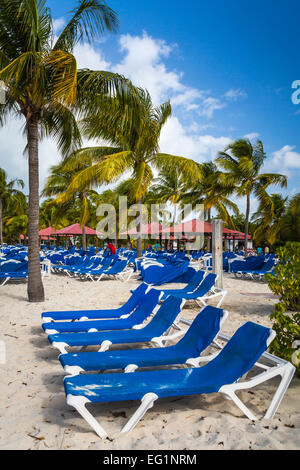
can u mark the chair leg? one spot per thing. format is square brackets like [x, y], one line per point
[79, 403]
[5, 281]
[287, 375]
[147, 402]
[232, 396]
[223, 295]
[286, 371]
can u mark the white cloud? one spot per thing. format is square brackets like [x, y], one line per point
[284, 159]
[251, 136]
[144, 64]
[235, 93]
[209, 106]
[175, 139]
[187, 98]
[58, 25]
[87, 57]
[14, 162]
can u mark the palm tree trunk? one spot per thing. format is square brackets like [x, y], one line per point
[209, 215]
[1, 228]
[139, 228]
[84, 239]
[175, 214]
[35, 287]
[247, 225]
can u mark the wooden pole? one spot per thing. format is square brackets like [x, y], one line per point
[217, 251]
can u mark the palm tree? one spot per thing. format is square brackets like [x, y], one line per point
[269, 219]
[134, 137]
[56, 184]
[16, 225]
[168, 187]
[242, 163]
[212, 193]
[291, 220]
[44, 87]
[111, 196]
[9, 197]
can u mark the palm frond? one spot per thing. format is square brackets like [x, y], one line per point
[90, 19]
[189, 169]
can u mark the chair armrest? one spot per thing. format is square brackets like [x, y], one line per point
[196, 361]
[160, 340]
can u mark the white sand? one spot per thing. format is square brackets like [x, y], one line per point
[34, 413]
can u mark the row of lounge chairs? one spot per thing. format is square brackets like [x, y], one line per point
[60, 334]
[142, 321]
[253, 268]
[16, 270]
[95, 268]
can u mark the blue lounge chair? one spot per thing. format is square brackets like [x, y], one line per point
[12, 269]
[152, 332]
[190, 287]
[119, 270]
[144, 308]
[258, 274]
[85, 268]
[16, 276]
[198, 337]
[221, 374]
[124, 310]
[91, 273]
[158, 273]
[205, 291]
[237, 267]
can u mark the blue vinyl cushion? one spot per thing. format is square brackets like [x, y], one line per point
[125, 309]
[190, 287]
[144, 308]
[198, 337]
[160, 323]
[203, 289]
[238, 357]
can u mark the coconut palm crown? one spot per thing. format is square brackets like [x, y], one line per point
[242, 163]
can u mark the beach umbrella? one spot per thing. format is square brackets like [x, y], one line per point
[190, 227]
[75, 229]
[46, 232]
[154, 228]
[195, 226]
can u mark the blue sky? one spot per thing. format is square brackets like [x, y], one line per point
[227, 66]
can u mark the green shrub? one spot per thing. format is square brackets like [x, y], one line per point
[286, 284]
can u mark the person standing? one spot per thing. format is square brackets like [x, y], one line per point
[111, 248]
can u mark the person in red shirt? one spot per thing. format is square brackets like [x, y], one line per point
[111, 248]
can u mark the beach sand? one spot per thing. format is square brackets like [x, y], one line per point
[34, 413]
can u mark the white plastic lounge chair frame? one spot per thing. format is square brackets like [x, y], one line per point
[279, 367]
[213, 293]
[124, 275]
